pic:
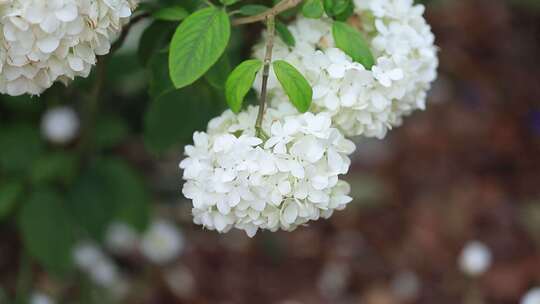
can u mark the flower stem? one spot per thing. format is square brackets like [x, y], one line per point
[271, 25]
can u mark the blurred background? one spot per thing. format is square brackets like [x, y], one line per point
[446, 209]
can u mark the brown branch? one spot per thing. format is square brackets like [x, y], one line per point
[270, 20]
[276, 10]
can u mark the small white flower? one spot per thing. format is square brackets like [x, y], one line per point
[360, 101]
[60, 125]
[121, 238]
[43, 41]
[475, 259]
[236, 180]
[162, 242]
[531, 297]
[41, 298]
[96, 264]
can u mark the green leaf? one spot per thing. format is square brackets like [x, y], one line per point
[285, 34]
[110, 131]
[313, 9]
[336, 7]
[128, 191]
[239, 83]
[350, 41]
[295, 85]
[154, 38]
[217, 75]
[171, 13]
[346, 14]
[173, 117]
[197, 45]
[228, 2]
[91, 203]
[47, 230]
[253, 9]
[159, 77]
[57, 166]
[9, 195]
[20, 146]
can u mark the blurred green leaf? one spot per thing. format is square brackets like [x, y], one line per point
[253, 9]
[109, 132]
[336, 7]
[9, 196]
[350, 41]
[91, 202]
[217, 75]
[240, 81]
[57, 166]
[47, 230]
[173, 117]
[160, 80]
[154, 38]
[313, 9]
[128, 190]
[171, 13]
[20, 146]
[197, 45]
[295, 85]
[285, 34]
[228, 2]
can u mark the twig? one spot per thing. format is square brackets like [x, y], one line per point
[120, 41]
[274, 11]
[270, 21]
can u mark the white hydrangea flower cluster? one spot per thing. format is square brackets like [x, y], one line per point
[364, 102]
[237, 180]
[44, 41]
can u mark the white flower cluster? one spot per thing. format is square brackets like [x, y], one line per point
[364, 102]
[161, 243]
[237, 180]
[43, 41]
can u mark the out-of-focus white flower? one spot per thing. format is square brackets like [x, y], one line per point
[334, 279]
[44, 41]
[531, 297]
[60, 125]
[360, 101]
[99, 267]
[41, 298]
[475, 259]
[121, 238]
[236, 180]
[162, 242]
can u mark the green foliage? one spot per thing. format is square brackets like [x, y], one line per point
[353, 44]
[9, 196]
[172, 118]
[313, 9]
[239, 83]
[295, 85]
[47, 230]
[253, 9]
[154, 38]
[228, 2]
[20, 146]
[197, 45]
[336, 7]
[57, 166]
[217, 75]
[285, 34]
[171, 13]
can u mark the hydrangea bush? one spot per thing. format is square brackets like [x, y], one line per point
[322, 71]
[363, 99]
